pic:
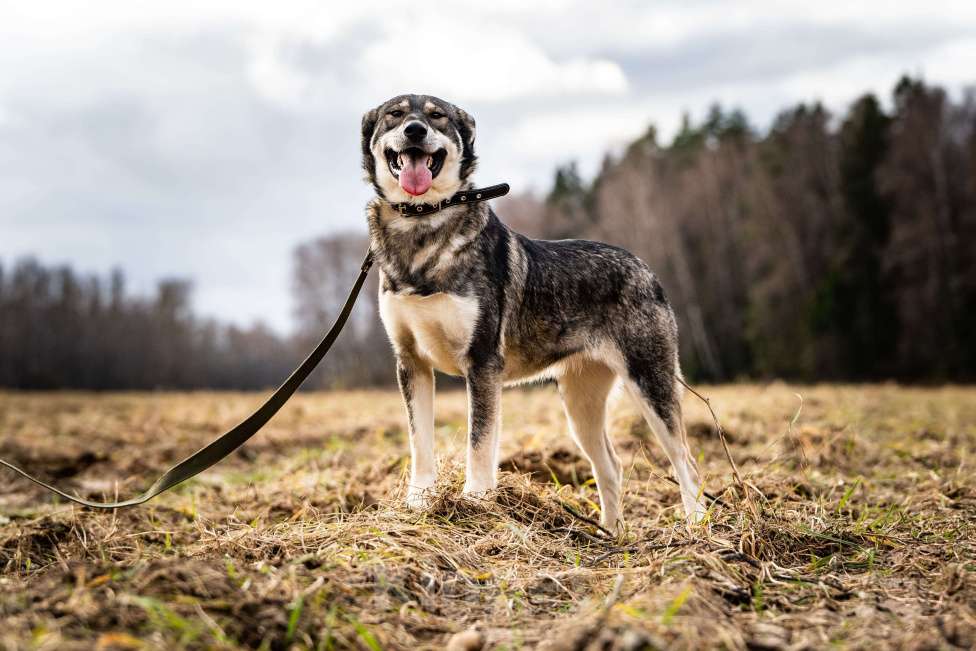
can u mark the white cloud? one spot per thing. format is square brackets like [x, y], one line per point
[485, 67]
[953, 63]
[574, 133]
[443, 57]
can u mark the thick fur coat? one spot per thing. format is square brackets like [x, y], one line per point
[463, 294]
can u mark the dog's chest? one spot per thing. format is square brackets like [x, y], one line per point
[437, 327]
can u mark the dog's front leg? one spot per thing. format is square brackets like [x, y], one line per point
[484, 423]
[416, 382]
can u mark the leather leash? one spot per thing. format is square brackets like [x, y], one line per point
[223, 446]
[235, 438]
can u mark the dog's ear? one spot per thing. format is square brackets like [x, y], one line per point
[368, 127]
[466, 129]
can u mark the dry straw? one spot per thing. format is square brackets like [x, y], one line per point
[859, 531]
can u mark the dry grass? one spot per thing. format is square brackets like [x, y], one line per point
[863, 535]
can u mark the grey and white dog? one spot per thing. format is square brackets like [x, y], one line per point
[463, 294]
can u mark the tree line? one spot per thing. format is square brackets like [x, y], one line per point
[59, 329]
[64, 330]
[829, 247]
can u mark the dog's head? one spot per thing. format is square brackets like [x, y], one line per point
[417, 148]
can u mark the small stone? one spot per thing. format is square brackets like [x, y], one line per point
[632, 640]
[768, 636]
[469, 640]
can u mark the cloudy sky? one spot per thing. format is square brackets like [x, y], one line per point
[176, 140]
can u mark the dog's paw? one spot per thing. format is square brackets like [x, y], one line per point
[614, 525]
[476, 491]
[694, 515]
[418, 498]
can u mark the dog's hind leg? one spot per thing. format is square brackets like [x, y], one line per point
[416, 382]
[584, 388]
[656, 391]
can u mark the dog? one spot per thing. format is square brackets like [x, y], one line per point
[463, 294]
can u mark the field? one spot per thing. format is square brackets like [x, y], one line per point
[855, 527]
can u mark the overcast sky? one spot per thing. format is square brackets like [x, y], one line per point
[205, 143]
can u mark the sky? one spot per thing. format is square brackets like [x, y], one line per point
[206, 140]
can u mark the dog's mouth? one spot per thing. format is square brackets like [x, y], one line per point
[414, 168]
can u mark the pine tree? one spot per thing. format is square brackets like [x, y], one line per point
[862, 316]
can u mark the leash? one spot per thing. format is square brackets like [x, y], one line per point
[235, 438]
[223, 446]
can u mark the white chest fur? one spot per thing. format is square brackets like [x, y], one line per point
[438, 327]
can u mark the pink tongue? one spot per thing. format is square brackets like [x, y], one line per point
[415, 178]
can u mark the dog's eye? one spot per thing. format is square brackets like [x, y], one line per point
[436, 115]
[396, 114]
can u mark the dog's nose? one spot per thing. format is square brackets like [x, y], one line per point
[415, 131]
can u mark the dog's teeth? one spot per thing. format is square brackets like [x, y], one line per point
[430, 162]
[400, 160]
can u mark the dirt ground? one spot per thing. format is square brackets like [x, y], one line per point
[855, 527]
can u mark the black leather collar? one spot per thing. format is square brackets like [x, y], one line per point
[473, 195]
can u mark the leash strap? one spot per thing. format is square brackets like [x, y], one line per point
[473, 195]
[235, 438]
